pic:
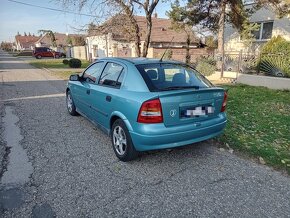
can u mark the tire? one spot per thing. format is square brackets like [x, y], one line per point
[56, 56]
[38, 56]
[120, 134]
[71, 108]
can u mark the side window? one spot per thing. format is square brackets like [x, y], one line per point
[92, 74]
[112, 75]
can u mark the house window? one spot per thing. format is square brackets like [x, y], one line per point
[264, 32]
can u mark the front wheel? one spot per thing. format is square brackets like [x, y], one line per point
[122, 142]
[70, 104]
[38, 57]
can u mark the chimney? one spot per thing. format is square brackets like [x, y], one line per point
[155, 14]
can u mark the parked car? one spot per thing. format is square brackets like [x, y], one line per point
[147, 104]
[40, 52]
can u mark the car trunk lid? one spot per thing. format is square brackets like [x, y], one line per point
[190, 106]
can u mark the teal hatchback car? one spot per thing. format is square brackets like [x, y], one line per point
[147, 104]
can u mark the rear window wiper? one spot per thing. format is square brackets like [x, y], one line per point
[178, 87]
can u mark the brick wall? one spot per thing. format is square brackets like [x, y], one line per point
[179, 54]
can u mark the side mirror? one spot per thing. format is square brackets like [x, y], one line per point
[74, 77]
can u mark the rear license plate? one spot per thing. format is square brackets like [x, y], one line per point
[199, 111]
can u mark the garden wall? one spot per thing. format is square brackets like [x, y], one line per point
[79, 52]
[266, 81]
[179, 54]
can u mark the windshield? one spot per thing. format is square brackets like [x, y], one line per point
[164, 77]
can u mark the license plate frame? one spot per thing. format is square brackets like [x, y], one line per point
[199, 111]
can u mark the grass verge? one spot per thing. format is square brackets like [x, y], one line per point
[64, 74]
[259, 124]
[54, 63]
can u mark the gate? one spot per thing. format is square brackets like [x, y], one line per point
[237, 62]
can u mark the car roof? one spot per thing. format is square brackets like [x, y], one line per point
[140, 60]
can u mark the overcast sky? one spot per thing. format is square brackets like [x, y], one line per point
[16, 17]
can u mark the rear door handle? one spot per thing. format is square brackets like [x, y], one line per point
[108, 98]
[88, 91]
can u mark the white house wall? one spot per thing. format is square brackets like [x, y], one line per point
[79, 52]
[97, 46]
[280, 27]
[105, 46]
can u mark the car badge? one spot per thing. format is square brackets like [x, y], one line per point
[173, 113]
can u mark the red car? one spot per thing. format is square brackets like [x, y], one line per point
[40, 52]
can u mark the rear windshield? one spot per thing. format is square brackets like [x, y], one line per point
[164, 77]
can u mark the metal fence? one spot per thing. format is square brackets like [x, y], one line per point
[262, 64]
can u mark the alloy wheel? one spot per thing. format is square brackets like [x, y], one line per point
[69, 103]
[119, 140]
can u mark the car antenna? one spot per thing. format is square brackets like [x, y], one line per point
[166, 50]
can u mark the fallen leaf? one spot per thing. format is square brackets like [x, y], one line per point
[262, 161]
[227, 145]
[283, 161]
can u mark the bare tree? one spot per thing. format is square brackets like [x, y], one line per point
[51, 36]
[148, 9]
[127, 8]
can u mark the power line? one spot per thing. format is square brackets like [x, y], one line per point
[52, 9]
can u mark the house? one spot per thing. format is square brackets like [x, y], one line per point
[61, 40]
[269, 26]
[25, 42]
[115, 39]
[63, 43]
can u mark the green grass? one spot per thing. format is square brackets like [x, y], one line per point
[54, 63]
[64, 74]
[259, 123]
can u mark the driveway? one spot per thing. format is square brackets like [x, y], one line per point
[57, 165]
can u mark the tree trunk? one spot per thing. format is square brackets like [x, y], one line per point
[187, 59]
[148, 10]
[137, 40]
[147, 36]
[221, 35]
[129, 12]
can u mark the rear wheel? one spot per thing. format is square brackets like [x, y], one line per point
[56, 56]
[122, 142]
[38, 56]
[70, 104]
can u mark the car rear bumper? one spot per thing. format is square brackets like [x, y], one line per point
[157, 136]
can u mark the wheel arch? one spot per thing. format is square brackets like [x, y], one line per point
[118, 115]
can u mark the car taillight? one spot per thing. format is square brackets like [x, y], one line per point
[150, 112]
[224, 105]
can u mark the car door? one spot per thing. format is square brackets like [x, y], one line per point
[49, 53]
[103, 95]
[42, 52]
[82, 91]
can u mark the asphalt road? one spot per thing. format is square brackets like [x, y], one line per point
[57, 165]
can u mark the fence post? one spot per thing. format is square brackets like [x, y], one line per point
[259, 63]
[239, 63]
[223, 65]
